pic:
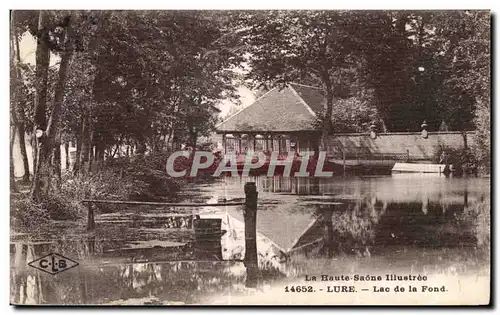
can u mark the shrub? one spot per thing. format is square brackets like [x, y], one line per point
[483, 223]
[60, 207]
[482, 147]
[478, 216]
[100, 184]
[66, 204]
[463, 160]
[146, 176]
[28, 215]
[107, 184]
[136, 178]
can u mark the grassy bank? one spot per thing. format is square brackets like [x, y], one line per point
[139, 178]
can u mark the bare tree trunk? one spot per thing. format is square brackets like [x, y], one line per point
[464, 136]
[99, 152]
[76, 166]
[42, 177]
[40, 122]
[42, 71]
[91, 158]
[57, 161]
[13, 185]
[85, 151]
[66, 152]
[384, 126]
[24, 154]
[193, 139]
[327, 122]
[34, 154]
[41, 75]
[19, 106]
[171, 139]
[13, 128]
[115, 150]
[91, 146]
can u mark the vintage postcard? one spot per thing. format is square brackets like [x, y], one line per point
[271, 157]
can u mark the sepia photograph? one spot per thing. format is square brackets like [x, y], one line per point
[250, 157]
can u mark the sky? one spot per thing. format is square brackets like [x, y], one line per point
[27, 50]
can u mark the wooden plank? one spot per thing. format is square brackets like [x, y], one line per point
[171, 204]
[295, 249]
[418, 168]
[107, 263]
[300, 235]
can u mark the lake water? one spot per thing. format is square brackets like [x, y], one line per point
[398, 223]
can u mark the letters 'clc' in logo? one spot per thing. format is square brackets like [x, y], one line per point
[53, 263]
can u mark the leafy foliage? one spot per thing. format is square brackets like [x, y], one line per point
[152, 79]
[482, 150]
[137, 78]
[354, 114]
[419, 65]
[27, 214]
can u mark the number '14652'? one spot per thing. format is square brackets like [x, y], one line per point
[298, 288]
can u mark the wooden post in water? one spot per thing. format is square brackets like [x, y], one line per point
[327, 215]
[250, 215]
[224, 144]
[239, 145]
[90, 217]
[343, 159]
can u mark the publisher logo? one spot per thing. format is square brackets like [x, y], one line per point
[53, 263]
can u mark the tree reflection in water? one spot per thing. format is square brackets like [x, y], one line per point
[430, 224]
[186, 282]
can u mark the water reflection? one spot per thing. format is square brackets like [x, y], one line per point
[185, 282]
[416, 221]
[397, 187]
[363, 216]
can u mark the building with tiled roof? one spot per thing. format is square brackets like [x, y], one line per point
[281, 120]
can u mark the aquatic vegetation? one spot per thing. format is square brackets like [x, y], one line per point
[477, 216]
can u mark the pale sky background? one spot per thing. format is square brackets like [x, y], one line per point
[27, 50]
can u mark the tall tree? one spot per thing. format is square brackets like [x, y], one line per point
[19, 98]
[13, 125]
[464, 44]
[313, 46]
[42, 179]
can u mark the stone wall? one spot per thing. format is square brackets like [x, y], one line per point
[413, 143]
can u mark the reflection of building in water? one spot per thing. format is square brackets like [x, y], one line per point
[396, 188]
[292, 185]
[282, 120]
[181, 281]
[425, 205]
[377, 211]
[366, 226]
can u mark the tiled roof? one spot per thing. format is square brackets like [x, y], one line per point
[292, 108]
[313, 96]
